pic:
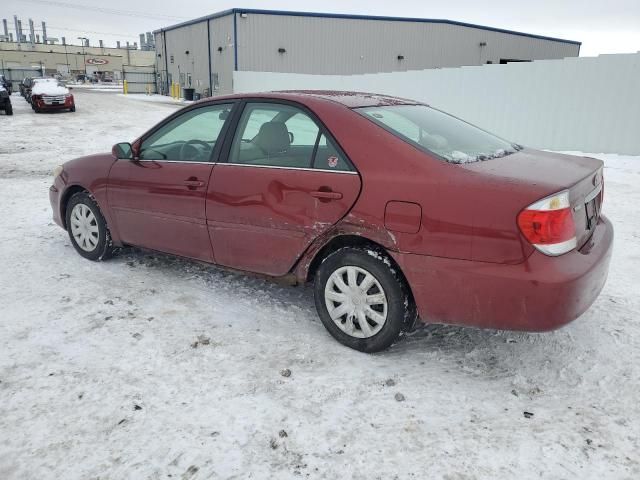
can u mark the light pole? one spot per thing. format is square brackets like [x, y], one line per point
[84, 56]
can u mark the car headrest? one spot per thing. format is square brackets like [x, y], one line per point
[273, 137]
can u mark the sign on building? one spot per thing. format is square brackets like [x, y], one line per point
[97, 61]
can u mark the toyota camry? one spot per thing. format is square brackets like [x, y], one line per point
[396, 211]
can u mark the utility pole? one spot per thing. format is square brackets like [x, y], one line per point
[84, 56]
[66, 56]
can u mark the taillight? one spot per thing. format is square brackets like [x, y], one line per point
[548, 224]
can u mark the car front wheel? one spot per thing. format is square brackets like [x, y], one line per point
[362, 299]
[87, 228]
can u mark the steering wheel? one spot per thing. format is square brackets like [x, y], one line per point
[189, 151]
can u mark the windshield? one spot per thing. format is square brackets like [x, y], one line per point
[436, 132]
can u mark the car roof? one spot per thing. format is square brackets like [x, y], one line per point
[353, 99]
[346, 98]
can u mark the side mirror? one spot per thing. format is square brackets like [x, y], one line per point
[122, 151]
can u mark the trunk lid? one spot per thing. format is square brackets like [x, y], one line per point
[544, 173]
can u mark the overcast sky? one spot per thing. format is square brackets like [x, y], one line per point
[611, 26]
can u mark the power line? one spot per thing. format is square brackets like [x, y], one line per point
[109, 11]
[53, 27]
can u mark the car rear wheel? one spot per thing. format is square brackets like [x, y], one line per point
[8, 109]
[362, 299]
[87, 228]
[72, 109]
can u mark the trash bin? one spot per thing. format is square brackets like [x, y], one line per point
[188, 93]
[196, 96]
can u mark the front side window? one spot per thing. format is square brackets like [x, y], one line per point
[190, 137]
[436, 132]
[276, 135]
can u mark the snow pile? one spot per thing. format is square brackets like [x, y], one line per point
[52, 87]
[460, 157]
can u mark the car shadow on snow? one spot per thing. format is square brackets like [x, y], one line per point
[493, 354]
[240, 285]
[483, 351]
[52, 112]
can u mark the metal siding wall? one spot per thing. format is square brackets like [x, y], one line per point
[192, 38]
[159, 60]
[222, 62]
[589, 104]
[160, 63]
[351, 46]
[140, 79]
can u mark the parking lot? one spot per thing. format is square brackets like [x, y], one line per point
[150, 366]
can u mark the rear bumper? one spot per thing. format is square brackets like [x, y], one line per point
[542, 293]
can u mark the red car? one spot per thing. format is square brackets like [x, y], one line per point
[395, 210]
[49, 94]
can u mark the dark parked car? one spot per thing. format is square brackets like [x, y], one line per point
[6, 84]
[392, 208]
[25, 88]
[5, 101]
[22, 84]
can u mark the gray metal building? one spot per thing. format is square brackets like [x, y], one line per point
[203, 53]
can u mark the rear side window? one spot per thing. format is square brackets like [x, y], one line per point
[274, 135]
[328, 157]
[436, 132]
[279, 135]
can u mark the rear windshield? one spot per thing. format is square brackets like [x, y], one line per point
[436, 132]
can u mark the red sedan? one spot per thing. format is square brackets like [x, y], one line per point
[395, 210]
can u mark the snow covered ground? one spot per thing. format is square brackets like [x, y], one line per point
[148, 366]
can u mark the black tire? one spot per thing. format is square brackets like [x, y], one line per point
[8, 109]
[104, 248]
[72, 109]
[401, 311]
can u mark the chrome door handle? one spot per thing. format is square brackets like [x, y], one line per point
[326, 195]
[193, 183]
